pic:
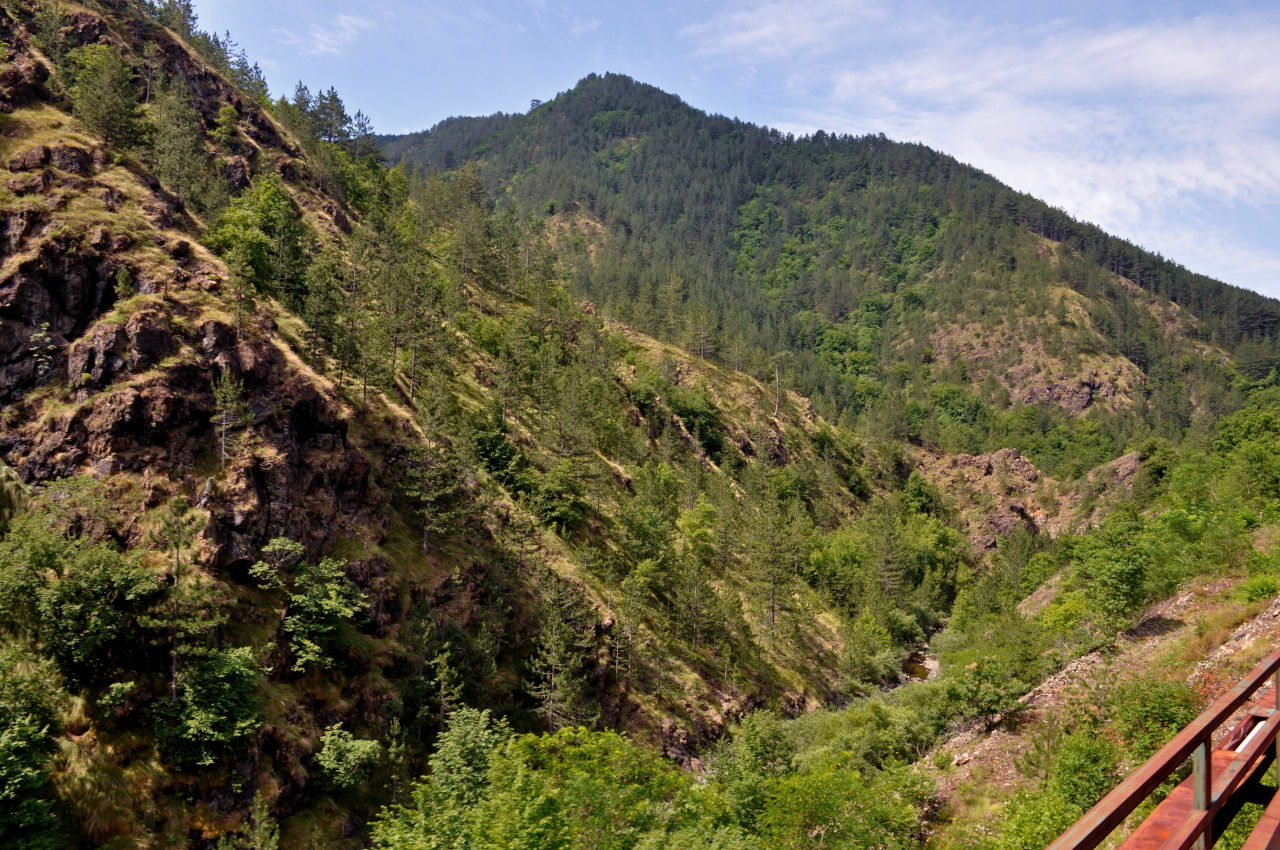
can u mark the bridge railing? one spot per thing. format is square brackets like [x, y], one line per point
[1194, 740]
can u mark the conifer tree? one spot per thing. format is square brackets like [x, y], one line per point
[177, 148]
[231, 411]
[564, 653]
[103, 95]
[186, 626]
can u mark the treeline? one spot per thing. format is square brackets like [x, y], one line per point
[742, 243]
[682, 514]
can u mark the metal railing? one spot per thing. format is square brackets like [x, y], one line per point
[1195, 740]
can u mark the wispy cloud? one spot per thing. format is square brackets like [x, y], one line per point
[779, 28]
[581, 28]
[330, 37]
[1141, 128]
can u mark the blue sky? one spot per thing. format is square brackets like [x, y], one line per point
[1158, 121]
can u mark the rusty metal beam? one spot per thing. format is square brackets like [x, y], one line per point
[1266, 835]
[1179, 823]
[1096, 824]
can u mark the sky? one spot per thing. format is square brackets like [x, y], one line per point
[1158, 121]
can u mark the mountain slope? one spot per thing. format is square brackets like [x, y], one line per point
[318, 458]
[861, 256]
[497, 498]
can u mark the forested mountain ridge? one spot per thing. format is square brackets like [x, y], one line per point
[329, 517]
[885, 269]
[307, 455]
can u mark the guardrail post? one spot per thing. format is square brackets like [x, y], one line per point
[1202, 787]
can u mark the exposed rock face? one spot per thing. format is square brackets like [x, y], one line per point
[30, 159]
[56, 293]
[1032, 371]
[1073, 395]
[72, 159]
[996, 493]
[237, 172]
[1088, 501]
[21, 76]
[302, 479]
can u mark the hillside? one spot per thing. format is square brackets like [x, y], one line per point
[890, 272]
[310, 449]
[334, 516]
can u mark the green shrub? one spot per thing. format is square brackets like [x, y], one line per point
[218, 705]
[1034, 819]
[1145, 715]
[1260, 586]
[29, 702]
[1085, 770]
[344, 758]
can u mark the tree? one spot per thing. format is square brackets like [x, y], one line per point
[103, 95]
[260, 831]
[177, 15]
[322, 600]
[231, 411]
[346, 759]
[361, 129]
[558, 500]
[89, 612]
[47, 29]
[332, 122]
[29, 706]
[178, 525]
[152, 60]
[777, 379]
[217, 707]
[697, 546]
[264, 242]
[565, 650]
[224, 128]
[278, 556]
[240, 280]
[435, 481]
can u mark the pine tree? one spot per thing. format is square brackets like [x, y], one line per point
[185, 623]
[177, 147]
[564, 652]
[231, 411]
[435, 479]
[103, 95]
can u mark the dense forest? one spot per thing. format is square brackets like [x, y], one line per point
[861, 259]
[509, 497]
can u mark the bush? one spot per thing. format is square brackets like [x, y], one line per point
[344, 758]
[218, 705]
[1085, 770]
[1260, 586]
[1033, 820]
[28, 718]
[986, 690]
[1146, 715]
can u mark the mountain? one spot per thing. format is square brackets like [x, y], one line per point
[303, 455]
[332, 515]
[889, 271]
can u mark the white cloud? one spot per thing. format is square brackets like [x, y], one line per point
[778, 28]
[1135, 127]
[579, 28]
[328, 38]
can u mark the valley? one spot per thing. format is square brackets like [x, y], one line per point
[588, 477]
